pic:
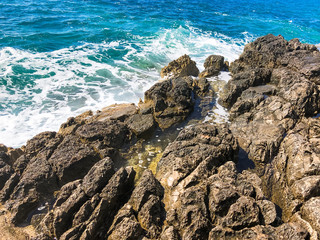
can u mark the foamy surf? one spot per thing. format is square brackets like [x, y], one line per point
[219, 113]
[39, 91]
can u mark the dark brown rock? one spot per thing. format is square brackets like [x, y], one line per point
[268, 211]
[8, 187]
[213, 65]
[65, 192]
[171, 100]
[242, 81]
[97, 177]
[193, 145]
[112, 133]
[72, 159]
[243, 213]
[113, 195]
[63, 214]
[141, 124]
[78, 199]
[5, 173]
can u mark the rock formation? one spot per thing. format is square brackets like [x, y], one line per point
[76, 183]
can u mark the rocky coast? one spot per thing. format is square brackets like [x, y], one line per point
[104, 175]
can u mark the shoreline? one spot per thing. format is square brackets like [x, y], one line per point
[253, 175]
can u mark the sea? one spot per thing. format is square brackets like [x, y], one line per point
[59, 58]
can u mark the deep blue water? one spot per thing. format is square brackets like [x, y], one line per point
[60, 58]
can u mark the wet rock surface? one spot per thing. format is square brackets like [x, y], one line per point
[75, 184]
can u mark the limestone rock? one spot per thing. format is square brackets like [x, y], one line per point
[311, 212]
[213, 65]
[72, 159]
[141, 124]
[181, 67]
[242, 81]
[243, 213]
[171, 100]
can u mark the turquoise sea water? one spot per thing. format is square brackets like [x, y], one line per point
[60, 58]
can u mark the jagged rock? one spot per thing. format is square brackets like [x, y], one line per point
[65, 192]
[63, 214]
[181, 67]
[285, 231]
[72, 159]
[268, 211]
[37, 181]
[192, 146]
[39, 142]
[311, 212]
[141, 124]
[112, 133]
[9, 155]
[261, 131]
[146, 201]
[4, 159]
[243, 213]
[292, 178]
[21, 163]
[242, 81]
[251, 98]
[306, 187]
[5, 173]
[169, 233]
[83, 206]
[75, 195]
[222, 195]
[201, 86]
[171, 100]
[274, 51]
[147, 186]
[73, 123]
[97, 177]
[85, 211]
[8, 187]
[291, 231]
[115, 112]
[213, 65]
[144, 211]
[183, 170]
[113, 195]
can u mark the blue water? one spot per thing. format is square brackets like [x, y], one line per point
[60, 58]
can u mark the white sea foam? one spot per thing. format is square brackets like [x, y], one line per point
[59, 84]
[219, 113]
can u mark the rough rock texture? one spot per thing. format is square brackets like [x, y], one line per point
[213, 65]
[171, 100]
[30, 177]
[82, 207]
[144, 213]
[75, 184]
[181, 67]
[206, 198]
[272, 96]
